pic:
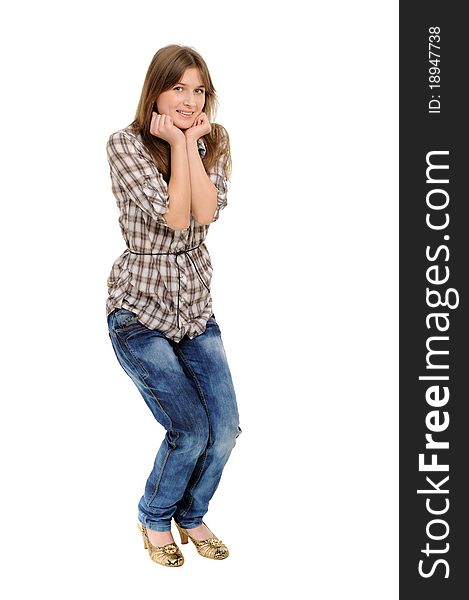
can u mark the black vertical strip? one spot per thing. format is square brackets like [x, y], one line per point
[434, 557]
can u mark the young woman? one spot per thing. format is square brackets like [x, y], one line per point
[170, 170]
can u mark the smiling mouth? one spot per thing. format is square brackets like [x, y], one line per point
[185, 114]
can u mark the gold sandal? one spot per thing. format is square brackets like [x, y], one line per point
[167, 555]
[209, 548]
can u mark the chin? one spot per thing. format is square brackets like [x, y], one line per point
[184, 125]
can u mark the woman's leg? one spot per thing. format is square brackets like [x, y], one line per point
[148, 357]
[204, 358]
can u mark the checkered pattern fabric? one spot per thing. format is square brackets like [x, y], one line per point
[163, 275]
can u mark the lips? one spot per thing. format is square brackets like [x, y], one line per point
[185, 114]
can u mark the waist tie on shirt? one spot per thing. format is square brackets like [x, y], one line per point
[176, 254]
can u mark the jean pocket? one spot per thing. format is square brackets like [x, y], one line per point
[123, 319]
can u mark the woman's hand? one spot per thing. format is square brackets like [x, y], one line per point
[200, 127]
[162, 126]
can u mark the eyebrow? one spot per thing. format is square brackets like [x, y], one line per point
[185, 84]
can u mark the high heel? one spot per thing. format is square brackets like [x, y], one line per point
[167, 555]
[183, 534]
[209, 548]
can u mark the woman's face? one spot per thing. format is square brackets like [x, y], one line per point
[188, 96]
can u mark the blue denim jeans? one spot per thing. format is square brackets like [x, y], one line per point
[189, 389]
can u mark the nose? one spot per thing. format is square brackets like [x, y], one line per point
[190, 100]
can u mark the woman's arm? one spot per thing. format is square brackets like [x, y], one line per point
[203, 191]
[179, 188]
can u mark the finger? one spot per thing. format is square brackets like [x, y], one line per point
[157, 122]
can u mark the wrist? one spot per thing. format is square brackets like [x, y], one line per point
[179, 143]
[191, 139]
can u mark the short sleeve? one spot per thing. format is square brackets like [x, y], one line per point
[217, 176]
[137, 175]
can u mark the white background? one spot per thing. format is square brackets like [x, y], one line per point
[304, 288]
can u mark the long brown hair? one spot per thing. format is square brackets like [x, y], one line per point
[166, 69]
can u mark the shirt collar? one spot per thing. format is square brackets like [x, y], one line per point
[201, 147]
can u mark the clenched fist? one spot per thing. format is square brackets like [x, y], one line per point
[162, 126]
[199, 128]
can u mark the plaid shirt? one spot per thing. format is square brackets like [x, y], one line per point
[164, 275]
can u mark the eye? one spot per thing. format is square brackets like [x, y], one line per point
[178, 87]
